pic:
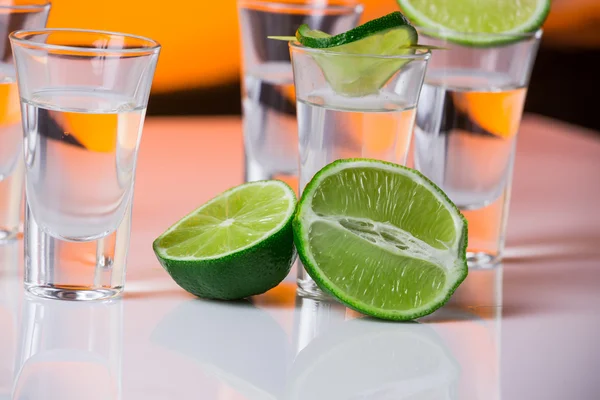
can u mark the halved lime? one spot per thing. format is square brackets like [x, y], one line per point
[456, 19]
[381, 238]
[365, 74]
[236, 245]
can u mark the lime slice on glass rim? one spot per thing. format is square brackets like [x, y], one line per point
[381, 238]
[236, 245]
[457, 20]
[360, 61]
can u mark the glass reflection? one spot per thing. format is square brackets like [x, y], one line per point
[367, 359]
[452, 354]
[10, 295]
[476, 341]
[69, 350]
[313, 317]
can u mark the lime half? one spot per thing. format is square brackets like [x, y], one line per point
[456, 19]
[381, 238]
[360, 61]
[237, 245]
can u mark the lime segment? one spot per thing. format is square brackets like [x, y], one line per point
[458, 18]
[381, 238]
[354, 63]
[238, 244]
[321, 40]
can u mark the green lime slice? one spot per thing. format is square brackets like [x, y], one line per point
[354, 63]
[236, 245]
[381, 238]
[393, 21]
[456, 19]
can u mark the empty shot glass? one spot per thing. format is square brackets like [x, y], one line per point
[83, 96]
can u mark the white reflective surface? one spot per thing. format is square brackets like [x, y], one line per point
[278, 346]
[527, 330]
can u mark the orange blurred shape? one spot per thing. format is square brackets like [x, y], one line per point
[387, 139]
[96, 132]
[289, 92]
[200, 39]
[101, 132]
[497, 112]
[573, 24]
[282, 295]
[10, 112]
[483, 227]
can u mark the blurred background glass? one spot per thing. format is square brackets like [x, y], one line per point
[199, 69]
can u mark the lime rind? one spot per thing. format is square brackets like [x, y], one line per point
[360, 61]
[483, 36]
[247, 262]
[320, 40]
[288, 193]
[302, 223]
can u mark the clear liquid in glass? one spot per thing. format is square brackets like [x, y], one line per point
[332, 127]
[80, 156]
[465, 138]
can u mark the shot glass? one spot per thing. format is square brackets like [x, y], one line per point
[83, 98]
[14, 14]
[467, 123]
[268, 100]
[353, 106]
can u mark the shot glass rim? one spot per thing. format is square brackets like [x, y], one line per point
[420, 54]
[34, 5]
[443, 33]
[351, 6]
[22, 38]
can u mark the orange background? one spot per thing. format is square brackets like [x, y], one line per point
[200, 37]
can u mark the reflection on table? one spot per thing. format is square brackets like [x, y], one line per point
[342, 356]
[251, 350]
[68, 350]
[10, 297]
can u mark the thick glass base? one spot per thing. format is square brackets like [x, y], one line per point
[75, 270]
[73, 293]
[482, 260]
[7, 236]
[307, 288]
[255, 172]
